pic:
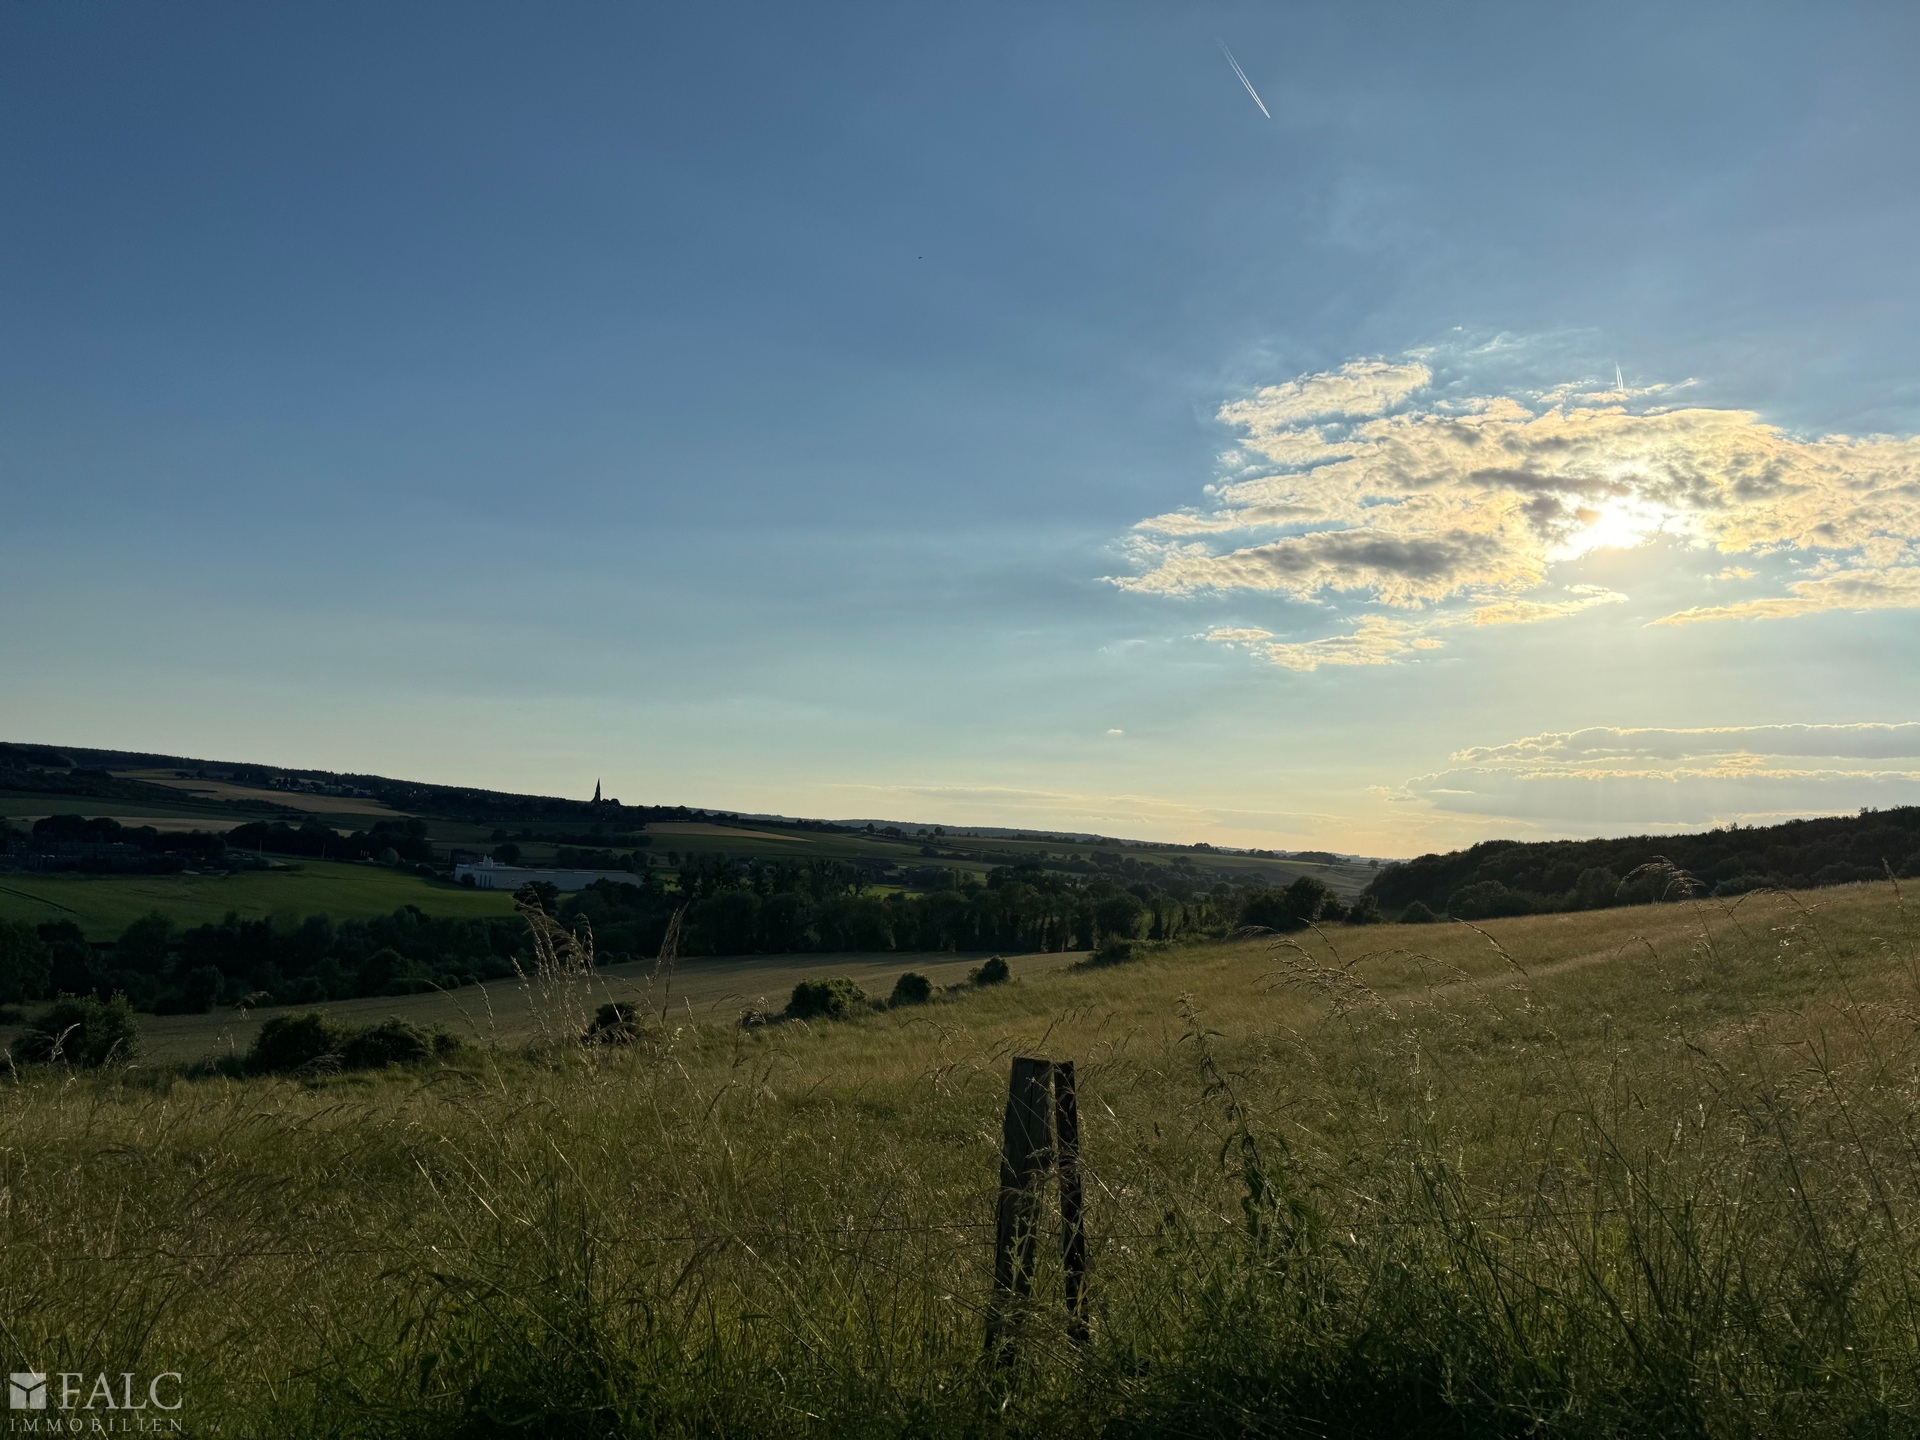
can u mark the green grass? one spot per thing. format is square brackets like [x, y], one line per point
[1346, 879]
[104, 905]
[1627, 1172]
[712, 990]
[14, 804]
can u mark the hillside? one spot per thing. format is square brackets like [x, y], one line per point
[1640, 1171]
[1507, 877]
[191, 886]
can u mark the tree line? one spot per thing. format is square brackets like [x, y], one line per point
[727, 907]
[735, 907]
[1510, 877]
[162, 967]
[104, 845]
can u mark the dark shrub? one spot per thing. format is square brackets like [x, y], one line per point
[310, 1040]
[1487, 900]
[834, 999]
[24, 961]
[202, 989]
[1597, 888]
[539, 894]
[1365, 911]
[394, 1042]
[380, 970]
[1113, 952]
[615, 1023]
[287, 1043]
[912, 988]
[1124, 916]
[1308, 899]
[1269, 910]
[1417, 914]
[994, 971]
[81, 1032]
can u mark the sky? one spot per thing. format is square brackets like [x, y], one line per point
[987, 414]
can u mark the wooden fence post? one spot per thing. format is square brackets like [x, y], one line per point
[1073, 1228]
[1035, 1137]
[1025, 1143]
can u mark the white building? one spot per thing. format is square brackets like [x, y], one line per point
[486, 875]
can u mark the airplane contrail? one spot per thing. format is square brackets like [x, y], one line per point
[1244, 81]
[1619, 380]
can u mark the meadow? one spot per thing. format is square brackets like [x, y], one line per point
[1635, 1171]
[104, 905]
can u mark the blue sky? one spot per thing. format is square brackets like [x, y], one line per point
[943, 412]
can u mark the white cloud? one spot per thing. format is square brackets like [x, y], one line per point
[1606, 746]
[1376, 640]
[1893, 588]
[1609, 778]
[1473, 504]
[1386, 640]
[1526, 612]
[1360, 387]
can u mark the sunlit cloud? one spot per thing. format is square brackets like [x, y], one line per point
[1362, 485]
[1892, 588]
[1384, 639]
[1526, 612]
[1376, 640]
[1611, 747]
[1358, 388]
[1607, 778]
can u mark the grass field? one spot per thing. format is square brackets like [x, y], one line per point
[358, 809]
[26, 805]
[709, 990]
[104, 905]
[214, 805]
[1626, 1172]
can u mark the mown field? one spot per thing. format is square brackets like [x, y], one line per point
[104, 905]
[1624, 1172]
[708, 990]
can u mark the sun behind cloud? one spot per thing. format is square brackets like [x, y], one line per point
[1432, 512]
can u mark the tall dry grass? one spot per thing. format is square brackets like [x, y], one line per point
[1627, 1172]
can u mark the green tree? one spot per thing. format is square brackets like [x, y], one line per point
[833, 999]
[1123, 917]
[24, 962]
[912, 988]
[143, 945]
[86, 1032]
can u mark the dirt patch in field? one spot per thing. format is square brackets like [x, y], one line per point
[696, 827]
[292, 799]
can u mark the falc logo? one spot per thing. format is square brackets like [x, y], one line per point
[76, 1390]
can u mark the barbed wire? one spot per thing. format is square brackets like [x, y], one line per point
[840, 1235]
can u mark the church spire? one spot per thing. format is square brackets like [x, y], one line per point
[596, 792]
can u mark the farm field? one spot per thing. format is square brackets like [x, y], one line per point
[19, 805]
[104, 905]
[708, 990]
[1621, 1172]
[1346, 879]
[220, 806]
[358, 808]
